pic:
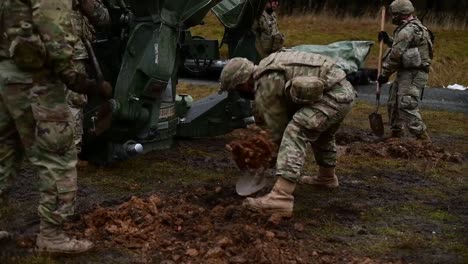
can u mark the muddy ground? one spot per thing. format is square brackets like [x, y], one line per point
[398, 202]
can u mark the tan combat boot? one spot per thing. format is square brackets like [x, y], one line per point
[52, 239]
[326, 178]
[278, 203]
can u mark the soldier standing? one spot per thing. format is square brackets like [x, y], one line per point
[410, 56]
[86, 15]
[35, 121]
[303, 97]
[269, 38]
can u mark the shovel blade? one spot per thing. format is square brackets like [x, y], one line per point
[376, 124]
[250, 183]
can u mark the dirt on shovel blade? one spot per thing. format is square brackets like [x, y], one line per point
[254, 151]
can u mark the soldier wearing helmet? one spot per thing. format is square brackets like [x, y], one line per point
[410, 56]
[269, 38]
[303, 98]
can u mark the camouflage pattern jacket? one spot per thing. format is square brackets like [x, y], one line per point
[278, 71]
[412, 48]
[86, 15]
[269, 38]
[47, 37]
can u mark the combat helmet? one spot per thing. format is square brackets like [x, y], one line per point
[236, 71]
[403, 7]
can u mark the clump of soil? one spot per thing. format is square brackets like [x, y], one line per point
[405, 149]
[204, 226]
[254, 151]
[180, 230]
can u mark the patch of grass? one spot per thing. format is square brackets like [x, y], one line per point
[196, 91]
[451, 46]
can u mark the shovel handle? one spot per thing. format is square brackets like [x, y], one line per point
[382, 28]
[379, 66]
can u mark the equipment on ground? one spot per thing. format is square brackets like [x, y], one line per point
[141, 54]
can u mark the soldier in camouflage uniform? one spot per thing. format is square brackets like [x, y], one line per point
[269, 38]
[303, 97]
[85, 16]
[35, 121]
[410, 56]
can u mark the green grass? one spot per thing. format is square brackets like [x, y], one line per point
[451, 47]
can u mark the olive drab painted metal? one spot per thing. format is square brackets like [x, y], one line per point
[140, 54]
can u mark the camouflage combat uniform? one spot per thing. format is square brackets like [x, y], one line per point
[410, 56]
[35, 121]
[269, 38]
[296, 124]
[83, 21]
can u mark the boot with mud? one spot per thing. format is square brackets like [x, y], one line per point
[326, 178]
[424, 137]
[53, 240]
[278, 203]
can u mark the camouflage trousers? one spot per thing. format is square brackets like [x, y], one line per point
[77, 102]
[36, 124]
[403, 102]
[316, 124]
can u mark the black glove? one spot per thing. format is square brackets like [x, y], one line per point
[383, 36]
[382, 80]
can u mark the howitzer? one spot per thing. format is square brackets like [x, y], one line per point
[140, 54]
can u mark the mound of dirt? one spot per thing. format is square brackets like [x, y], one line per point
[185, 229]
[182, 231]
[405, 149]
[254, 151]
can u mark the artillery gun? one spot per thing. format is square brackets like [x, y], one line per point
[140, 54]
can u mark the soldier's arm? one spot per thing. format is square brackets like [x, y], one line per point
[55, 39]
[96, 12]
[269, 102]
[401, 43]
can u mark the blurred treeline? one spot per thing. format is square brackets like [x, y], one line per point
[457, 8]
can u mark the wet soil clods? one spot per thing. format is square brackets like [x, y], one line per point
[254, 151]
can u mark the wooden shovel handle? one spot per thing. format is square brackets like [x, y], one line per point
[382, 28]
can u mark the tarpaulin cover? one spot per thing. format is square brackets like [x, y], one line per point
[350, 55]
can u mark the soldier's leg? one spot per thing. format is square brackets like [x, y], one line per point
[54, 154]
[392, 109]
[306, 126]
[414, 82]
[10, 150]
[16, 126]
[16, 122]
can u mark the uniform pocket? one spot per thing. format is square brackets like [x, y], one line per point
[54, 130]
[311, 119]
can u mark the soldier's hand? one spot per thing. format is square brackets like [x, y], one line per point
[382, 80]
[383, 36]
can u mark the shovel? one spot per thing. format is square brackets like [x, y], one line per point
[375, 119]
[251, 182]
